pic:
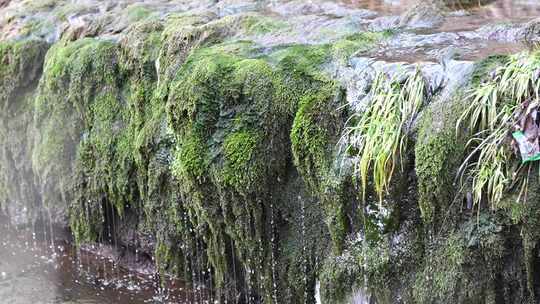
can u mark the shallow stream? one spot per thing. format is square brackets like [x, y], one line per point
[34, 271]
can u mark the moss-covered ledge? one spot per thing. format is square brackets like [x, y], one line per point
[21, 65]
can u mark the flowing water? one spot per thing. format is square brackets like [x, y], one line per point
[503, 10]
[33, 272]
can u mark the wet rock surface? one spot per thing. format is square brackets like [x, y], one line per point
[211, 141]
[477, 30]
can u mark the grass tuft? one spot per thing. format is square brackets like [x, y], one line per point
[378, 138]
[490, 118]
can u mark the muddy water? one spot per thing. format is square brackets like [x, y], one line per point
[32, 272]
[471, 31]
[504, 10]
[462, 18]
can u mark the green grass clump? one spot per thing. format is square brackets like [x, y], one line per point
[379, 136]
[491, 166]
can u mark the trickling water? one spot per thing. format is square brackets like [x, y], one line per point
[50, 223]
[87, 216]
[34, 244]
[198, 269]
[272, 252]
[260, 267]
[114, 239]
[247, 279]
[235, 288]
[193, 278]
[304, 249]
[102, 260]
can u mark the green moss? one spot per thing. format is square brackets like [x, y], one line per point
[21, 64]
[214, 102]
[343, 49]
[37, 28]
[192, 158]
[472, 263]
[184, 33]
[303, 89]
[140, 49]
[121, 149]
[240, 149]
[259, 25]
[313, 132]
[137, 13]
[69, 9]
[231, 117]
[82, 152]
[339, 277]
[486, 67]
[525, 213]
[442, 276]
[302, 61]
[367, 266]
[438, 154]
[40, 5]
[75, 53]
[196, 104]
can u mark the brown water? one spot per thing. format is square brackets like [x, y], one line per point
[455, 31]
[503, 10]
[32, 272]
[463, 18]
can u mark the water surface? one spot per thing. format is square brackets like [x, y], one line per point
[32, 271]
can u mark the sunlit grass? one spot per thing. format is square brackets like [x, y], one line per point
[378, 135]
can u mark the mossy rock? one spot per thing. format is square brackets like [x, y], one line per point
[21, 65]
[438, 155]
[223, 113]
